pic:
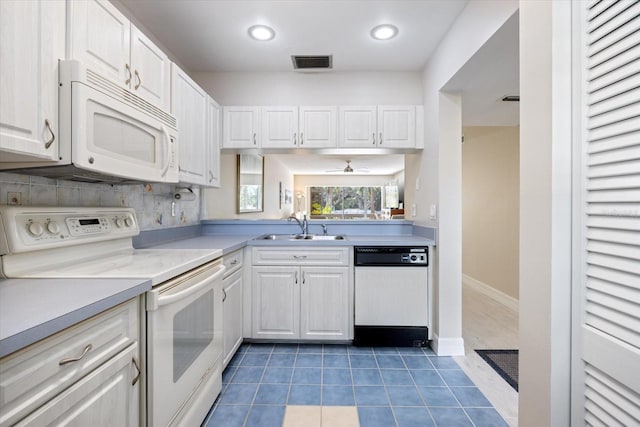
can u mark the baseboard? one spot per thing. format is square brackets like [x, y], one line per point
[447, 346]
[496, 295]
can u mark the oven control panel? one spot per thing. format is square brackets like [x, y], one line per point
[34, 228]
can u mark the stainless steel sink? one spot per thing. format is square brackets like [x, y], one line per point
[300, 237]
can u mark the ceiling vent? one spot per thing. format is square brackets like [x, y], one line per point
[312, 62]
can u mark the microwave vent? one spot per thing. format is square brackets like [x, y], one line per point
[129, 98]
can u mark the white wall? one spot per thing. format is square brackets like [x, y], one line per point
[490, 206]
[545, 213]
[438, 167]
[222, 203]
[330, 88]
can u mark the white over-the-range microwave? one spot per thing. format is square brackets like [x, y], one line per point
[107, 134]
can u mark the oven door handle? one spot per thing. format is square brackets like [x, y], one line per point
[155, 299]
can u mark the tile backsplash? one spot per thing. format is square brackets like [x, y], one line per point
[152, 202]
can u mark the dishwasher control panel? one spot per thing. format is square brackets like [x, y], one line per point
[391, 255]
[414, 258]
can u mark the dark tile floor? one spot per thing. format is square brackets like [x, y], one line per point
[389, 386]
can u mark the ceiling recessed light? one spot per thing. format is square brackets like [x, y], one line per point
[384, 32]
[261, 32]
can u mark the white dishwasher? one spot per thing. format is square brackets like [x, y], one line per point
[392, 296]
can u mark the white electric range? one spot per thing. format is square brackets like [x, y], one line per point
[183, 309]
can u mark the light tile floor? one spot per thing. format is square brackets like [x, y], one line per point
[273, 385]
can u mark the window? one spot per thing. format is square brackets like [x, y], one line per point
[345, 202]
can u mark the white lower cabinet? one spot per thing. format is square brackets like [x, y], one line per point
[232, 305]
[104, 397]
[232, 309]
[88, 374]
[301, 298]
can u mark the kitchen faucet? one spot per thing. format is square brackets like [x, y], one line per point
[304, 225]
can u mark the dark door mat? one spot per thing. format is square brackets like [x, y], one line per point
[504, 362]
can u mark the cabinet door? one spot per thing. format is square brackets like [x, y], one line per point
[397, 126]
[213, 144]
[232, 309]
[317, 127]
[100, 38]
[358, 127]
[324, 303]
[276, 302]
[104, 397]
[151, 70]
[279, 127]
[189, 104]
[240, 128]
[31, 42]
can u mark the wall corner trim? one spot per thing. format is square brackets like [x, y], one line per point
[507, 300]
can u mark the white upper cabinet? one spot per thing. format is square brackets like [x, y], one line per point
[279, 127]
[317, 127]
[103, 38]
[151, 70]
[189, 103]
[358, 127]
[213, 144]
[397, 126]
[32, 40]
[241, 127]
[298, 127]
[383, 126]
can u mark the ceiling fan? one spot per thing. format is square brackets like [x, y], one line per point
[349, 169]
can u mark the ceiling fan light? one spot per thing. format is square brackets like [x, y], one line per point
[348, 168]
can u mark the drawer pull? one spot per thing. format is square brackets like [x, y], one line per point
[234, 262]
[137, 377]
[53, 135]
[75, 359]
[300, 257]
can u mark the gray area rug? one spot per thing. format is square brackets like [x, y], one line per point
[504, 362]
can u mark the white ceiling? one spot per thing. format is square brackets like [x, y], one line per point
[487, 77]
[212, 35]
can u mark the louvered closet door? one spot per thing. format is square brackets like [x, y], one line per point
[607, 295]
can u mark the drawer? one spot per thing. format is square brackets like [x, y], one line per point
[232, 262]
[301, 256]
[34, 375]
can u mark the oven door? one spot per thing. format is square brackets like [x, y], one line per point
[114, 138]
[184, 341]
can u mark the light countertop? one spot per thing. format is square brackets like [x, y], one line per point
[33, 309]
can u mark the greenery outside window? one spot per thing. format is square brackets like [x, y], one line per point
[345, 202]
